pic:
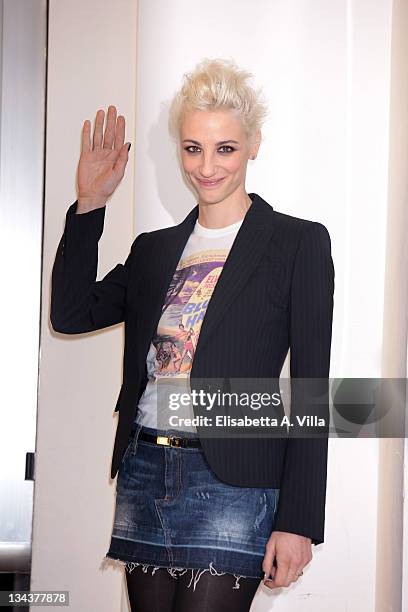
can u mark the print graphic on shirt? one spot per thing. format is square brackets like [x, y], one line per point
[173, 347]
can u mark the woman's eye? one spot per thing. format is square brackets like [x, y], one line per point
[221, 149]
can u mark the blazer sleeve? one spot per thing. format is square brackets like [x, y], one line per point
[79, 303]
[301, 506]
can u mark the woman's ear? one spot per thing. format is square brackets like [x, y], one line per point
[255, 145]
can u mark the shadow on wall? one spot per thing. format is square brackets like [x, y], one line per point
[175, 192]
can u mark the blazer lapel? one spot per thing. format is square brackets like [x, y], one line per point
[245, 253]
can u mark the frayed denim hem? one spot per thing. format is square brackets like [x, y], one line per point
[174, 571]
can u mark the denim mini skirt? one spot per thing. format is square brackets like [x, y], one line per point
[173, 512]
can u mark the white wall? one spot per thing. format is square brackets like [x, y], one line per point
[326, 68]
[91, 64]
[392, 563]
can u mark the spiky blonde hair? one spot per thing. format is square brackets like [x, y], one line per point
[218, 84]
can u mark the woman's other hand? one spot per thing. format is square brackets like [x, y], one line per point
[292, 553]
[102, 163]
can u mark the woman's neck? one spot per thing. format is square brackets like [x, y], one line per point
[226, 212]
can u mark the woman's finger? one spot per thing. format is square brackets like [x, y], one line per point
[120, 164]
[120, 133]
[274, 567]
[86, 136]
[282, 573]
[294, 573]
[267, 563]
[98, 131]
[110, 128]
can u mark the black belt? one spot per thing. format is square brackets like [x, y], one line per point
[170, 440]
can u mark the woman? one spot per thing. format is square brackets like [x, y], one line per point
[197, 521]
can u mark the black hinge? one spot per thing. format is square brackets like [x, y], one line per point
[29, 466]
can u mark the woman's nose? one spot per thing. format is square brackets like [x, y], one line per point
[207, 167]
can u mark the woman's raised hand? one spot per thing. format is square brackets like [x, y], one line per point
[102, 163]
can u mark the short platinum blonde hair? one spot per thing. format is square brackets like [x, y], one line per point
[219, 84]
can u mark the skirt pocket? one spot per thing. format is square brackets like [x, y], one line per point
[132, 445]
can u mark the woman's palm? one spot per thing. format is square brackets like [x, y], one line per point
[96, 172]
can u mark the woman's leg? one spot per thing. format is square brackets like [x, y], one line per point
[151, 591]
[215, 593]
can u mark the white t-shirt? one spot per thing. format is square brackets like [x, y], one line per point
[171, 352]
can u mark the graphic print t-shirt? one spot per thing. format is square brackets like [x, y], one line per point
[173, 346]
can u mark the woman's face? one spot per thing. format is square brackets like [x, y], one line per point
[214, 152]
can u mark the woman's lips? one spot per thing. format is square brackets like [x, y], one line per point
[210, 183]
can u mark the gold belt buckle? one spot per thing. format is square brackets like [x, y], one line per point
[168, 440]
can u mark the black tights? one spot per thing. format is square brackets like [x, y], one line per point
[161, 592]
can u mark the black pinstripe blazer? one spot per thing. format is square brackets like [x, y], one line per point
[275, 292]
